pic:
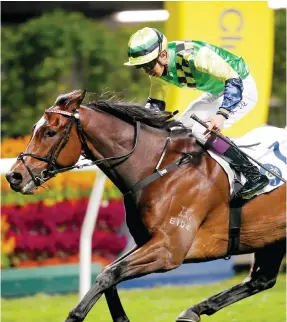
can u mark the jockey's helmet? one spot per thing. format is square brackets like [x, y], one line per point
[145, 45]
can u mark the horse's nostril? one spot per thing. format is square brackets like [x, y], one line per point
[14, 177]
[17, 176]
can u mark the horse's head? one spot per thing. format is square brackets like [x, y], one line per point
[54, 144]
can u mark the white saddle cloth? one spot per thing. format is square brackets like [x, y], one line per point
[268, 145]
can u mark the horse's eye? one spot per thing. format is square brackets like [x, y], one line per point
[50, 133]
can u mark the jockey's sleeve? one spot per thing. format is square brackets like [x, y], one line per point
[208, 61]
[157, 94]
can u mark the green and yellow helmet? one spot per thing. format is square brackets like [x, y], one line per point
[145, 45]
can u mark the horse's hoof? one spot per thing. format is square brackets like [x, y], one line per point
[74, 316]
[188, 316]
[70, 319]
[122, 319]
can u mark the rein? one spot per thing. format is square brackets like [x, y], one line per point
[53, 168]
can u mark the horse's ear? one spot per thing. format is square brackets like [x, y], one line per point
[76, 99]
[81, 98]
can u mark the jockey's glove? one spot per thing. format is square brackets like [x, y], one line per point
[153, 103]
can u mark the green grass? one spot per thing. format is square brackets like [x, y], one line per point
[154, 305]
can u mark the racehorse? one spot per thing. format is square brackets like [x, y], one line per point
[176, 197]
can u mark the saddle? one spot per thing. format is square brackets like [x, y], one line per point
[266, 144]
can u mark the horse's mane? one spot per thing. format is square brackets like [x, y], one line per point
[131, 112]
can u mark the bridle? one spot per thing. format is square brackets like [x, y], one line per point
[74, 117]
[54, 168]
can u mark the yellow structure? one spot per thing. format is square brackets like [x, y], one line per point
[243, 28]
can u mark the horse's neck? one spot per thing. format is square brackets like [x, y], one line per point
[110, 136]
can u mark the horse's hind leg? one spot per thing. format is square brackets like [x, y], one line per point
[262, 277]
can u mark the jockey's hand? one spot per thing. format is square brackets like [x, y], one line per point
[215, 123]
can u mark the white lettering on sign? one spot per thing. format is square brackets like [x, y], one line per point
[231, 23]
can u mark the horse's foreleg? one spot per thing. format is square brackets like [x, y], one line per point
[151, 257]
[262, 277]
[114, 303]
[133, 249]
[115, 306]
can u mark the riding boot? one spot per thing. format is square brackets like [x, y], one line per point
[239, 162]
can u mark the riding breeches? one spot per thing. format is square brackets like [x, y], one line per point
[207, 105]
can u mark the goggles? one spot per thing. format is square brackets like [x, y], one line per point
[148, 66]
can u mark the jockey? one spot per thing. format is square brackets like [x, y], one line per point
[229, 90]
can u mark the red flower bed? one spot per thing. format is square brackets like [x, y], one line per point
[50, 235]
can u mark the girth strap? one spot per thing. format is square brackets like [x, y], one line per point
[159, 173]
[234, 226]
[234, 231]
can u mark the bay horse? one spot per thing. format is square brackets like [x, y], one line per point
[181, 217]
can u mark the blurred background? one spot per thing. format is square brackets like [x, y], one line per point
[49, 47]
[52, 47]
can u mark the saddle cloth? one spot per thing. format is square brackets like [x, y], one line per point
[268, 145]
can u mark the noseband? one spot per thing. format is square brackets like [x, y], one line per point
[54, 168]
